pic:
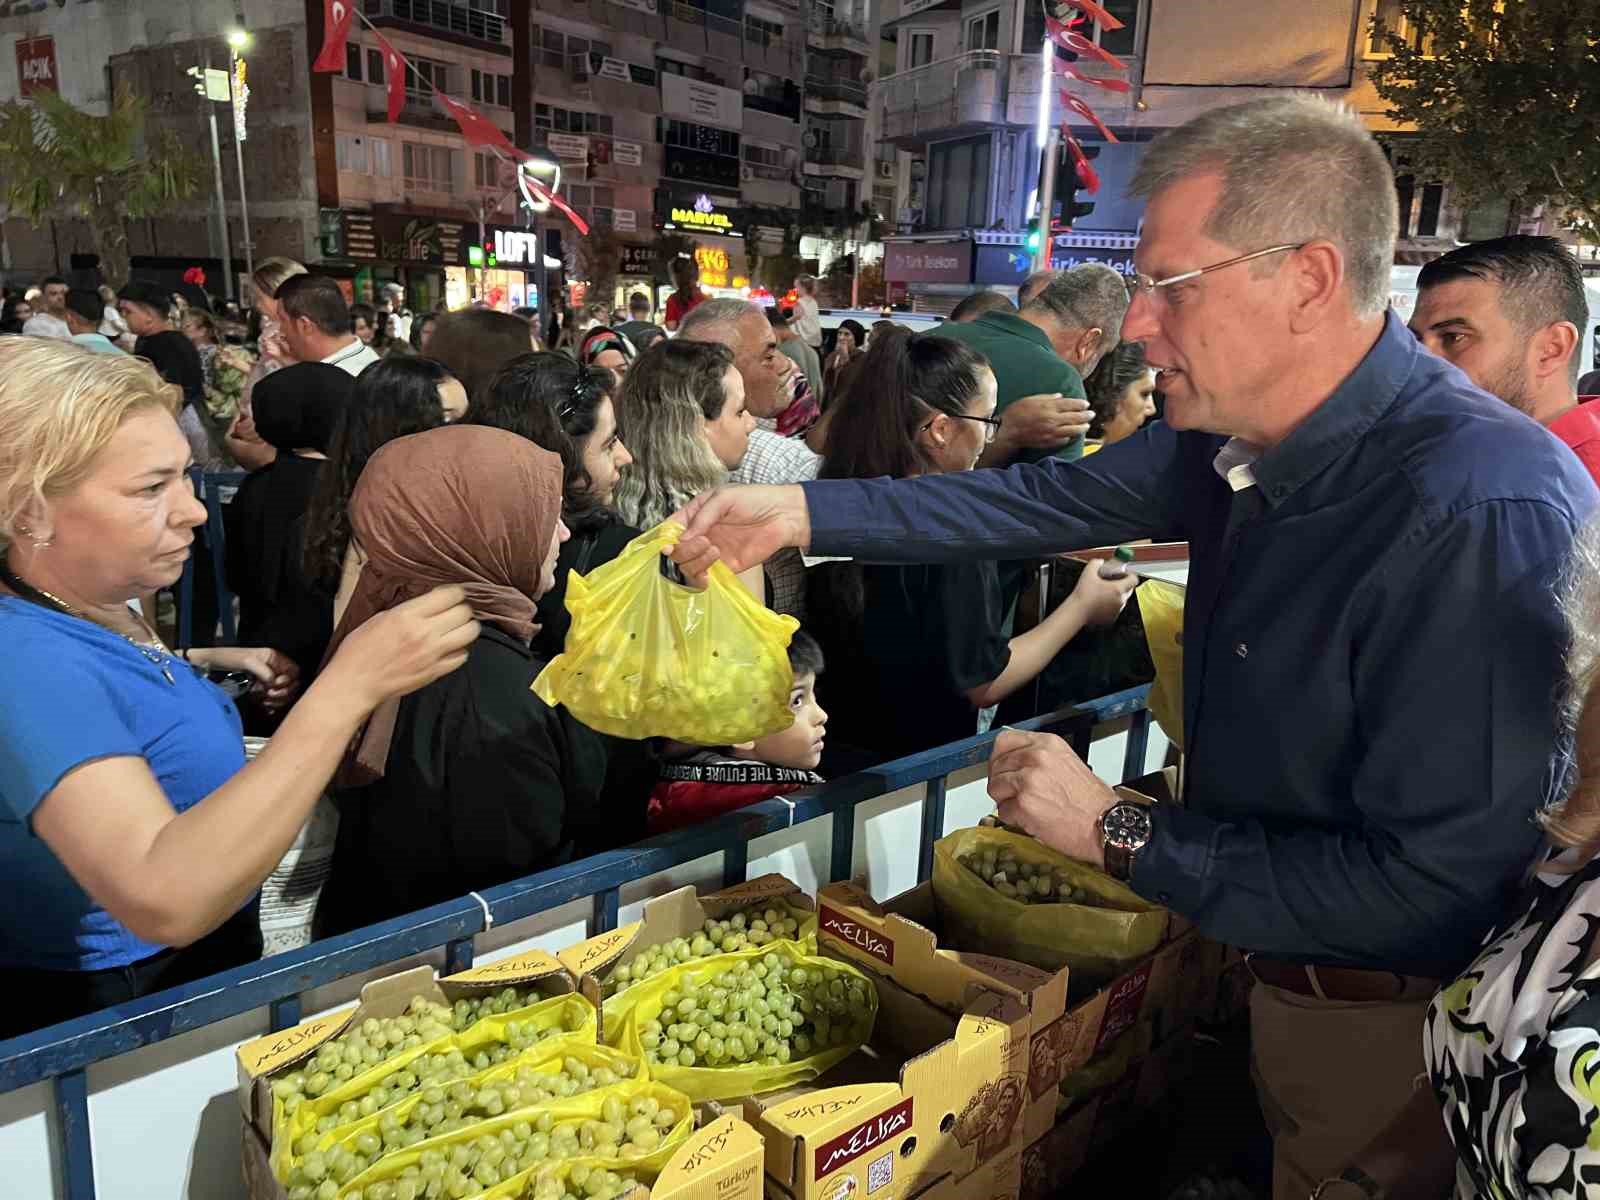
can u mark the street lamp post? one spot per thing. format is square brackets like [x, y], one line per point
[211, 86]
[238, 42]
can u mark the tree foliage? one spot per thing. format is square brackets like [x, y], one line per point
[600, 261]
[1502, 94]
[62, 162]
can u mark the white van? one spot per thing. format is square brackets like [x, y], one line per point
[1403, 298]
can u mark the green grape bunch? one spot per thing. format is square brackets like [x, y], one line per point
[1024, 882]
[752, 927]
[626, 1130]
[583, 1183]
[467, 1012]
[373, 1042]
[758, 1012]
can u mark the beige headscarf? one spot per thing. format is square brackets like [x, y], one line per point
[463, 504]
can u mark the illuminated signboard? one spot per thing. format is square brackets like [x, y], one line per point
[713, 266]
[703, 215]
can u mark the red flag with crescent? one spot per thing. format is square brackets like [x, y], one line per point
[1087, 175]
[1088, 114]
[336, 18]
[1099, 15]
[1109, 84]
[394, 72]
[1068, 39]
[556, 202]
[475, 127]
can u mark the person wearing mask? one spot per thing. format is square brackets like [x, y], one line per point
[247, 449]
[769, 379]
[683, 406]
[394, 399]
[801, 354]
[50, 318]
[639, 328]
[977, 303]
[134, 835]
[112, 325]
[1040, 356]
[920, 651]
[84, 318]
[15, 315]
[1121, 393]
[315, 322]
[146, 307]
[807, 317]
[473, 780]
[474, 343]
[1311, 448]
[569, 410]
[1511, 313]
[297, 410]
[849, 344]
[686, 295]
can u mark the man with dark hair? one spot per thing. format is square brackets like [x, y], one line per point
[316, 324]
[984, 301]
[50, 318]
[84, 312]
[639, 328]
[1511, 312]
[1040, 356]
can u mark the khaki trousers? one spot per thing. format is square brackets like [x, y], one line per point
[1330, 1075]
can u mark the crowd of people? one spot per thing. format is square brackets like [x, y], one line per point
[1392, 731]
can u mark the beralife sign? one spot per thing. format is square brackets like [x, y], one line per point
[703, 214]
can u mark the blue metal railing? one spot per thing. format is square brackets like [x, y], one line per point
[62, 1053]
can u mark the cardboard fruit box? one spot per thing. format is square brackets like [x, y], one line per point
[720, 1161]
[263, 1057]
[933, 1095]
[681, 913]
[900, 938]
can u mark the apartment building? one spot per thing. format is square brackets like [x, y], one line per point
[963, 102]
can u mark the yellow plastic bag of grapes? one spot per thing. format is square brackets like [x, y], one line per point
[647, 657]
[1110, 1065]
[576, 1179]
[559, 1124]
[701, 1003]
[1097, 940]
[1161, 610]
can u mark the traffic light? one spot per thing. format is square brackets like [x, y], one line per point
[474, 256]
[1068, 207]
[1033, 240]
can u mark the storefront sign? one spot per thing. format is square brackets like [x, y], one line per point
[638, 260]
[396, 237]
[624, 220]
[36, 66]
[685, 97]
[928, 262]
[702, 213]
[713, 266]
[516, 247]
[568, 146]
[627, 154]
[1013, 264]
[613, 68]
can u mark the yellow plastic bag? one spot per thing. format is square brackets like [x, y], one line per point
[574, 1112]
[571, 1013]
[647, 657]
[726, 1083]
[1097, 941]
[1110, 1065]
[1161, 609]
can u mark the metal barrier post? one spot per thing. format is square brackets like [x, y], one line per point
[842, 856]
[72, 1116]
[281, 1014]
[1133, 755]
[605, 911]
[932, 827]
[457, 956]
[735, 863]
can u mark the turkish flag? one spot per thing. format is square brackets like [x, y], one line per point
[475, 127]
[1101, 17]
[1109, 84]
[556, 202]
[1087, 175]
[1088, 114]
[394, 72]
[336, 18]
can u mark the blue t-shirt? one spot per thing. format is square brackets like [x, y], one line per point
[72, 693]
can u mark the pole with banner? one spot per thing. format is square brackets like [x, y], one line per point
[1047, 199]
[213, 85]
[239, 91]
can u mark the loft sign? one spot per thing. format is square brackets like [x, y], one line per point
[510, 246]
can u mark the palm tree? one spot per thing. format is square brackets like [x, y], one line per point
[63, 162]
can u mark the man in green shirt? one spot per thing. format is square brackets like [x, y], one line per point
[1040, 356]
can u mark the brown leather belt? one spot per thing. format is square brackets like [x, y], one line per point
[1347, 984]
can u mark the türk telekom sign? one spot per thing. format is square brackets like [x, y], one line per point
[36, 66]
[928, 262]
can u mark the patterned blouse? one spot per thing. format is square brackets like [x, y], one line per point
[1513, 1048]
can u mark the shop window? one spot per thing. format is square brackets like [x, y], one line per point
[958, 184]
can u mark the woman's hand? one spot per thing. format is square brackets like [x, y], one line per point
[277, 676]
[1101, 600]
[406, 648]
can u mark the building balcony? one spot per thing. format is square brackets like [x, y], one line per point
[964, 94]
[477, 21]
[836, 162]
[419, 112]
[894, 11]
[824, 31]
[832, 96]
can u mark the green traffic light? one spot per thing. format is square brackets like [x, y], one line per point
[1033, 239]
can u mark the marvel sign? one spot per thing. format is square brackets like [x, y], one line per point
[36, 66]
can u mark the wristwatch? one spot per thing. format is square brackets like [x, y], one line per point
[1125, 828]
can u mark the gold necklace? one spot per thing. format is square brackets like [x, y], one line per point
[161, 659]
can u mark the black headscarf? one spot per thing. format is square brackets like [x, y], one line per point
[297, 408]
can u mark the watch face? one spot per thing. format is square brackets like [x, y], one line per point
[1127, 826]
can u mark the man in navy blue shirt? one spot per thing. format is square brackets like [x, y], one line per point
[1373, 652]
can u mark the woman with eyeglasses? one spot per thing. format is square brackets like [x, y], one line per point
[916, 653]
